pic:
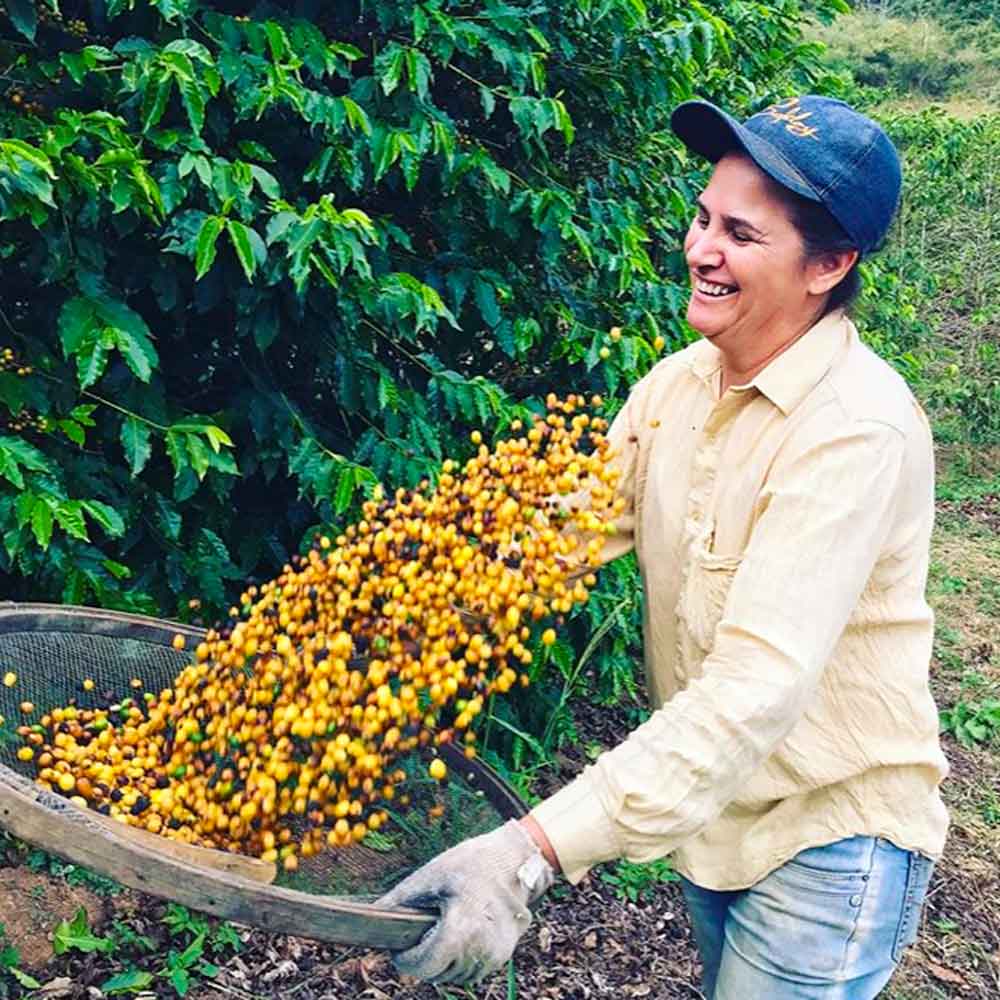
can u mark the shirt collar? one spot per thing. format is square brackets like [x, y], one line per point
[787, 380]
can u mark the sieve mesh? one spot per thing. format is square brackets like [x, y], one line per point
[52, 650]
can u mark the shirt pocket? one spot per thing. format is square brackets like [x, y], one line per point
[707, 577]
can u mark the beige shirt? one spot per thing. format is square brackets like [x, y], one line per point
[782, 532]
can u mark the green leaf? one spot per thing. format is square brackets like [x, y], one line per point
[23, 507]
[191, 49]
[91, 327]
[77, 320]
[41, 523]
[155, 99]
[25, 151]
[389, 65]
[239, 234]
[205, 248]
[116, 569]
[91, 360]
[28, 982]
[255, 151]
[346, 483]
[420, 22]
[76, 935]
[23, 16]
[180, 980]
[217, 437]
[107, 517]
[9, 955]
[177, 450]
[132, 981]
[356, 116]
[138, 351]
[267, 182]
[198, 454]
[25, 454]
[10, 470]
[167, 517]
[486, 300]
[418, 71]
[73, 431]
[82, 414]
[69, 515]
[135, 439]
[193, 99]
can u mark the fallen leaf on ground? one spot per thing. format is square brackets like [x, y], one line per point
[55, 988]
[545, 940]
[944, 974]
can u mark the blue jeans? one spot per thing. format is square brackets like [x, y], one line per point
[830, 924]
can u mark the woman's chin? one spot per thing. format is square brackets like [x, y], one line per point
[707, 326]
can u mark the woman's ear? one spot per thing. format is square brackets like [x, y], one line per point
[824, 272]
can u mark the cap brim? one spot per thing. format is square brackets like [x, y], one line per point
[710, 132]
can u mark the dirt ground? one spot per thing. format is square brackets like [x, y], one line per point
[586, 942]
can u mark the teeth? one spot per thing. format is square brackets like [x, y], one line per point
[710, 288]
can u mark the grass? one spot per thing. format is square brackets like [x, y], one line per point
[917, 59]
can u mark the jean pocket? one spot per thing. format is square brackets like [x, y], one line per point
[841, 868]
[918, 877]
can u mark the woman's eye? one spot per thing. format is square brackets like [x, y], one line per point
[702, 221]
[741, 237]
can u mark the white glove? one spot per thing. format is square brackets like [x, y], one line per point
[482, 889]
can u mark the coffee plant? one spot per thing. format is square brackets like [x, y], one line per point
[260, 258]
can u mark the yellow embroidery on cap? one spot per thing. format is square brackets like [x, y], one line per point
[791, 113]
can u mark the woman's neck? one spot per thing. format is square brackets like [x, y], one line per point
[741, 367]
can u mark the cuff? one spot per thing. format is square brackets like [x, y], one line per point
[578, 828]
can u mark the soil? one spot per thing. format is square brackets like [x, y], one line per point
[33, 905]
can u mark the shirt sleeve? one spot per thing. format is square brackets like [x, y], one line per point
[824, 515]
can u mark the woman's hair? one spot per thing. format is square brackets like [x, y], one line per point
[821, 234]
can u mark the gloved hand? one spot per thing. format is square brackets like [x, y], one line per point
[481, 888]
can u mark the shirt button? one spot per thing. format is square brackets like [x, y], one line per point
[855, 900]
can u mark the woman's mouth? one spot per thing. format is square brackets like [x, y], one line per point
[713, 289]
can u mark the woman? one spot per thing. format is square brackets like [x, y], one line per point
[780, 479]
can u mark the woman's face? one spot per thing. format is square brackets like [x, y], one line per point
[750, 280]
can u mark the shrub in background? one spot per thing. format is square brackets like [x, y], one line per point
[258, 259]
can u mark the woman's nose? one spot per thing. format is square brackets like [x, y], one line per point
[702, 247]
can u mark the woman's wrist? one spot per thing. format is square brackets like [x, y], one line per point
[537, 834]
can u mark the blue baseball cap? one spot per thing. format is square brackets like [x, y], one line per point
[818, 147]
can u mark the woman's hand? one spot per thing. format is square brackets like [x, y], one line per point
[482, 889]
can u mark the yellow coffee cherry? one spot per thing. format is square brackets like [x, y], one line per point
[283, 734]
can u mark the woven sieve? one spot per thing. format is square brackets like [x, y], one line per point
[53, 649]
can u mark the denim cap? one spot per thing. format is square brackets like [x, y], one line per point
[818, 147]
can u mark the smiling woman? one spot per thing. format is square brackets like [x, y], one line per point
[778, 479]
[754, 287]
